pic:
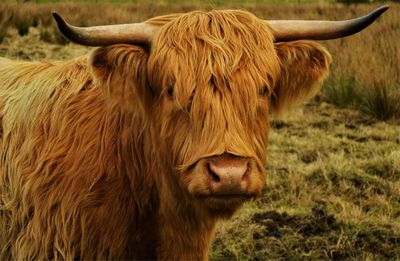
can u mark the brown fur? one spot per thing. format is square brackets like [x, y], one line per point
[99, 156]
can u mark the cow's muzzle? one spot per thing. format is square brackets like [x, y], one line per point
[227, 175]
[223, 183]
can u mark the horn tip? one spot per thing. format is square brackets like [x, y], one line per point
[381, 10]
[384, 7]
[55, 14]
[58, 18]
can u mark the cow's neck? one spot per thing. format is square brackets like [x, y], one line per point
[183, 229]
[186, 230]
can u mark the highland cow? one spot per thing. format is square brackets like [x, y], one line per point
[136, 150]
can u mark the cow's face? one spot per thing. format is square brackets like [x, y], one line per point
[207, 84]
[213, 75]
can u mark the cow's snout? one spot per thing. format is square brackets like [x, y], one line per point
[228, 175]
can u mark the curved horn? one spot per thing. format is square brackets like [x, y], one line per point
[135, 33]
[290, 30]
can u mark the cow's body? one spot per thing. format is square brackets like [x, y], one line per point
[69, 167]
[131, 153]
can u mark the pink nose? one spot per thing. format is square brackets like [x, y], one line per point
[228, 175]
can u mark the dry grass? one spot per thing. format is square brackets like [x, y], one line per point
[333, 184]
[366, 71]
[332, 192]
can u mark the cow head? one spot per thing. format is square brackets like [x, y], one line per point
[207, 81]
[214, 73]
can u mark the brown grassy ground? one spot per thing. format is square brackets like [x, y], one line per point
[332, 191]
[333, 184]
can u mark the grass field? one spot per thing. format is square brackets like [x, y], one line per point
[333, 182]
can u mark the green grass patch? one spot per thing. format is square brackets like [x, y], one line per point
[379, 100]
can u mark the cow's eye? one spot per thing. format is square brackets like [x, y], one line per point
[264, 91]
[170, 91]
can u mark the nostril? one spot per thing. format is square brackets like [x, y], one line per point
[213, 175]
[246, 171]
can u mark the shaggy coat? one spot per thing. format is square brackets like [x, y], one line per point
[100, 156]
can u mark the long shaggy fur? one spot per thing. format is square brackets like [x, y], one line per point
[98, 154]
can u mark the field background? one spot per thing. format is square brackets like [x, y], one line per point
[333, 177]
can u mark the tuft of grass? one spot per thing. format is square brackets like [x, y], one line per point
[4, 24]
[380, 101]
[45, 35]
[23, 28]
[340, 91]
[21, 21]
[383, 167]
[3, 33]
[383, 102]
